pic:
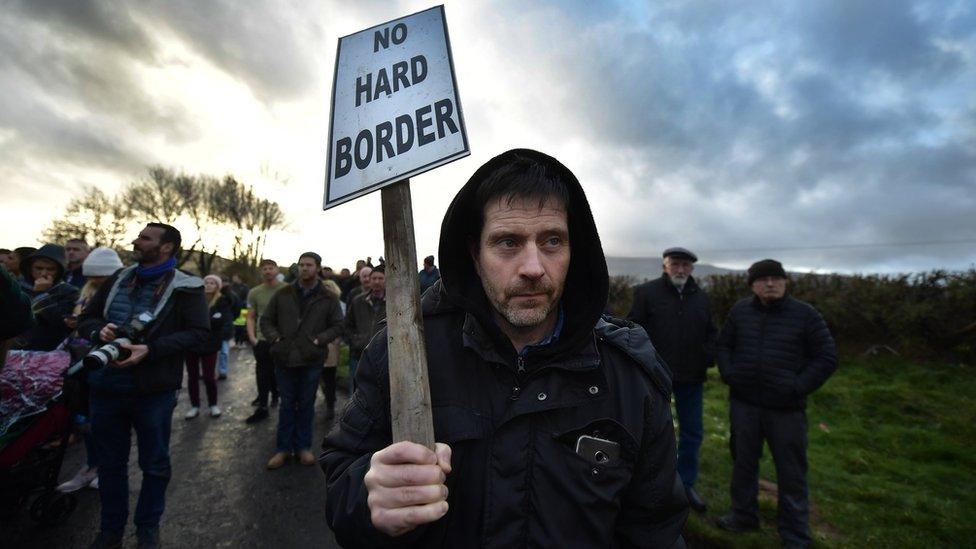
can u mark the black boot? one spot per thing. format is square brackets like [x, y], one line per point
[730, 524]
[259, 414]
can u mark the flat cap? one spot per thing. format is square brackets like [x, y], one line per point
[678, 251]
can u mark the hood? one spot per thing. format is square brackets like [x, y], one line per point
[48, 251]
[587, 282]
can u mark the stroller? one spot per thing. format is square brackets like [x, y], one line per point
[35, 425]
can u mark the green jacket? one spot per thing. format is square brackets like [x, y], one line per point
[294, 324]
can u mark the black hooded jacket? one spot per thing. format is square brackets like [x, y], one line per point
[516, 478]
[50, 306]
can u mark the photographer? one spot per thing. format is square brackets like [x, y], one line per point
[162, 312]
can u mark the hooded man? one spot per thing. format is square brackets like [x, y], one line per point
[553, 423]
[52, 299]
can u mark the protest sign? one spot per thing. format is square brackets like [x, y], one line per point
[395, 107]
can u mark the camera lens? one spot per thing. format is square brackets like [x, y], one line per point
[601, 457]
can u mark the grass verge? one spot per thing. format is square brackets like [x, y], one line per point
[892, 453]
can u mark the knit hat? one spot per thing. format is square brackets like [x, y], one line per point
[315, 257]
[764, 268]
[215, 278]
[101, 262]
[381, 268]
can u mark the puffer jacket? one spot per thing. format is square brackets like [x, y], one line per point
[679, 324]
[293, 325]
[774, 356]
[512, 421]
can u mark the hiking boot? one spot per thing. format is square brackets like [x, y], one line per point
[147, 538]
[695, 501]
[277, 460]
[81, 479]
[107, 540]
[256, 402]
[215, 411]
[306, 457]
[258, 415]
[222, 377]
[192, 413]
[730, 524]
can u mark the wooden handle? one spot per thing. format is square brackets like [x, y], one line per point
[410, 411]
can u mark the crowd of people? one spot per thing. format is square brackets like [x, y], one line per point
[61, 296]
[552, 419]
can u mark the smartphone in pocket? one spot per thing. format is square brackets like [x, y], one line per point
[598, 451]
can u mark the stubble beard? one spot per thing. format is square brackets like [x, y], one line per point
[517, 317]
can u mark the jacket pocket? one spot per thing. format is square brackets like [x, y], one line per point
[607, 478]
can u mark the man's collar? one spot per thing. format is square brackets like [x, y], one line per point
[553, 336]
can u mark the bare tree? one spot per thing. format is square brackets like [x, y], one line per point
[93, 216]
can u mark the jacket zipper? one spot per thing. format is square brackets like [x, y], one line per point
[517, 388]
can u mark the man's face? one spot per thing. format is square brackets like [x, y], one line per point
[6, 260]
[44, 268]
[377, 282]
[269, 272]
[523, 258]
[308, 270]
[678, 269]
[364, 275]
[147, 249]
[76, 252]
[769, 288]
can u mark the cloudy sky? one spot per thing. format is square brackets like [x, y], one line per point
[834, 135]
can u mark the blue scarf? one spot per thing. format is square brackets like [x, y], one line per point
[159, 270]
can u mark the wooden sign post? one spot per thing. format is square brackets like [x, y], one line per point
[396, 114]
[410, 412]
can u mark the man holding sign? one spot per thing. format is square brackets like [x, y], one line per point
[553, 423]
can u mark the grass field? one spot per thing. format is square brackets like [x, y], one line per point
[892, 452]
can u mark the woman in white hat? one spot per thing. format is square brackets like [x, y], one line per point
[100, 264]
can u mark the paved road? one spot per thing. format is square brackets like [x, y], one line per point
[220, 495]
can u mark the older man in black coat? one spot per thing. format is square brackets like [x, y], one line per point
[677, 315]
[773, 351]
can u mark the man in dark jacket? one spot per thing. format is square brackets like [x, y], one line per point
[677, 315]
[300, 321]
[363, 317]
[773, 351]
[76, 250]
[162, 312]
[553, 422]
[52, 299]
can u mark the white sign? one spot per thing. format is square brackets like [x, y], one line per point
[395, 108]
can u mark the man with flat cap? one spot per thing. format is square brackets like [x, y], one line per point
[677, 315]
[773, 351]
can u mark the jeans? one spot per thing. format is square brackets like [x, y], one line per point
[223, 357]
[194, 363]
[786, 433]
[114, 415]
[264, 372]
[296, 409]
[691, 431]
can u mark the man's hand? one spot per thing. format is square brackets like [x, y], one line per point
[43, 283]
[107, 333]
[406, 487]
[139, 352]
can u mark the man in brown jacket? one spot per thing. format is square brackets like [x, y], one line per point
[366, 311]
[300, 321]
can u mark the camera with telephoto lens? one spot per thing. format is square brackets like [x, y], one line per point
[113, 350]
